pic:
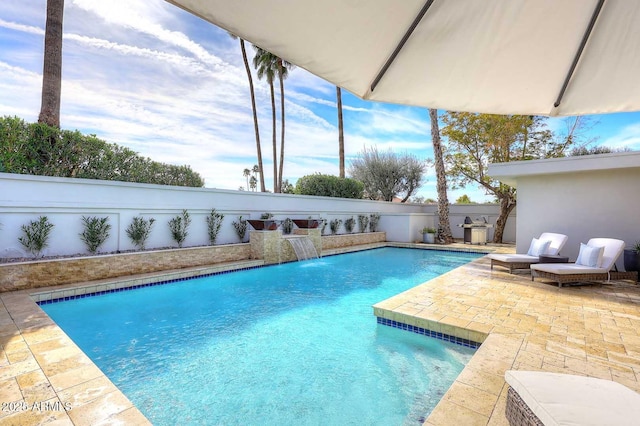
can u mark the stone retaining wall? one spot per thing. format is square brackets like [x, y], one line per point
[330, 242]
[25, 275]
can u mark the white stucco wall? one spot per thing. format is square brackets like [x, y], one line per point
[64, 201]
[582, 205]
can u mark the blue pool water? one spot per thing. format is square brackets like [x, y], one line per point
[284, 345]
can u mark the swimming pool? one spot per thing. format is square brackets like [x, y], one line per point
[288, 344]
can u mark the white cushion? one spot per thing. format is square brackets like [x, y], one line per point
[538, 247]
[612, 250]
[520, 258]
[590, 256]
[557, 242]
[567, 268]
[563, 399]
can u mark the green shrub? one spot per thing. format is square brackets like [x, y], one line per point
[287, 226]
[363, 222]
[329, 186]
[349, 224]
[96, 232]
[214, 222]
[36, 235]
[334, 225]
[39, 149]
[139, 230]
[179, 226]
[241, 228]
[374, 219]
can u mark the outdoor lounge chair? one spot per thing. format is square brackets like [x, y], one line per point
[593, 264]
[524, 261]
[541, 398]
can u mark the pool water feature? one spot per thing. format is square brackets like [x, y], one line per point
[287, 344]
[303, 247]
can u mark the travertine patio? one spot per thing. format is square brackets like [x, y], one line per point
[589, 330]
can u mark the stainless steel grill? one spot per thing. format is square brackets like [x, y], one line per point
[475, 231]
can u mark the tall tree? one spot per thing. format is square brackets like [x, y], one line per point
[52, 65]
[475, 140]
[246, 173]
[253, 107]
[386, 175]
[283, 73]
[266, 66]
[443, 235]
[255, 171]
[340, 131]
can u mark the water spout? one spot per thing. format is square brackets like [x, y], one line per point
[303, 248]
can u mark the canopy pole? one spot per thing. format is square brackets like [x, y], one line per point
[400, 45]
[585, 38]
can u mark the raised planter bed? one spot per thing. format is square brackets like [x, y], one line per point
[348, 240]
[43, 273]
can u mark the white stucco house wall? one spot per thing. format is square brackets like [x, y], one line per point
[583, 197]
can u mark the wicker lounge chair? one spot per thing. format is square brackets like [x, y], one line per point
[541, 398]
[563, 273]
[524, 261]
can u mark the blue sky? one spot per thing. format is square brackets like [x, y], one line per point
[152, 77]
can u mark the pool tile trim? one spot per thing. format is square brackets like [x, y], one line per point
[81, 292]
[119, 285]
[430, 333]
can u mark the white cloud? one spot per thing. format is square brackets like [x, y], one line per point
[22, 28]
[627, 137]
[142, 17]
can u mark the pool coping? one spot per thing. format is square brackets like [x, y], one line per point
[48, 373]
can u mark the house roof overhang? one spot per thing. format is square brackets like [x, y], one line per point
[509, 173]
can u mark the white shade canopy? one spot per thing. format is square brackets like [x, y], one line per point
[490, 56]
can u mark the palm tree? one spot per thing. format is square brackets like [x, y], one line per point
[52, 65]
[246, 174]
[444, 235]
[257, 170]
[266, 66]
[253, 107]
[283, 73]
[253, 182]
[340, 131]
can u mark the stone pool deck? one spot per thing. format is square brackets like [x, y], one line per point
[589, 330]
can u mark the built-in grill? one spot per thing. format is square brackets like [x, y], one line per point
[475, 231]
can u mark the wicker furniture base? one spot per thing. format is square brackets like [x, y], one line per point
[518, 412]
[581, 278]
[512, 265]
